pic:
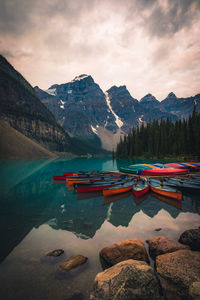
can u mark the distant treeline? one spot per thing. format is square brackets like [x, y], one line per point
[163, 139]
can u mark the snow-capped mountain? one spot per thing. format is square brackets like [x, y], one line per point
[83, 109]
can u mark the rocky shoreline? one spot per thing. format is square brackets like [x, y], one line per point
[128, 275]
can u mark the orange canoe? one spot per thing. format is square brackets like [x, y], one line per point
[72, 181]
[119, 189]
[166, 192]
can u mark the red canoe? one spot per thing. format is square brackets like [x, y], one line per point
[164, 172]
[139, 191]
[59, 177]
[95, 188]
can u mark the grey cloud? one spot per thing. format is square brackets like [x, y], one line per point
[178, 14]
[18, 16]
[118, 41]
[15, 15]
[161, 18]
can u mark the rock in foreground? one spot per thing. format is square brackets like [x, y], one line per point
[177, 271]
[194, 290]
[127, 249]
[161, 245]
[130, 279]
[192, 238]
[73, 262]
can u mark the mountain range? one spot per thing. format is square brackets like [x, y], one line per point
[22, 110]
[83, 109]
[77, 116]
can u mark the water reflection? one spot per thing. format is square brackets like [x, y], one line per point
[170, 201]
[37, 215]
[35, 200]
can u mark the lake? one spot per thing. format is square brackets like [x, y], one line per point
[38, 215]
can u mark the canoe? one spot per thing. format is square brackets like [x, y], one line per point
[86, 174]
[195, 178]
[195, 164]
[119, 189]
[155, 166]
[98, 182]
[69, 174]
[72, 182]
[166, 191]
[152, 169]
[59, 178]
[176, 166]
[96, 187]
[164, 172]
[182, 166]
[140, 188]
[183, 180]
[137, 168]
[191, 166]
[185, 186]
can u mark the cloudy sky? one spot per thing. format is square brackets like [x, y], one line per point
[151, 46]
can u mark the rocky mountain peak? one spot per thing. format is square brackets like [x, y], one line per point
[121, 90]
[83, 77]
[148, 98]
[80, 77]
[171, 98]
[171, 95]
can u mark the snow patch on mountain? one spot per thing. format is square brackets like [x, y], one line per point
[62, 104]
[140, 119]
[80, 77]
[51, 92]
[118, 121]
[94, 130]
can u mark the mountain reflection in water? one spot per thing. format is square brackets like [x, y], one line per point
[36, 200]
[40, 215]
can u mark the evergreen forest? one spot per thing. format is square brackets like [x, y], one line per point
[163, 139]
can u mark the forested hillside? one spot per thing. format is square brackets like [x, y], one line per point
[163, 139]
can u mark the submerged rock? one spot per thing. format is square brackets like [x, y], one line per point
[55, 253]
[177, 272]
[161, 245]
[73, 262]
[130, 279]
[192, 238]
[127, 249]
[158, 229]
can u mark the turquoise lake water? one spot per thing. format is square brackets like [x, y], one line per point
[37, 215]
